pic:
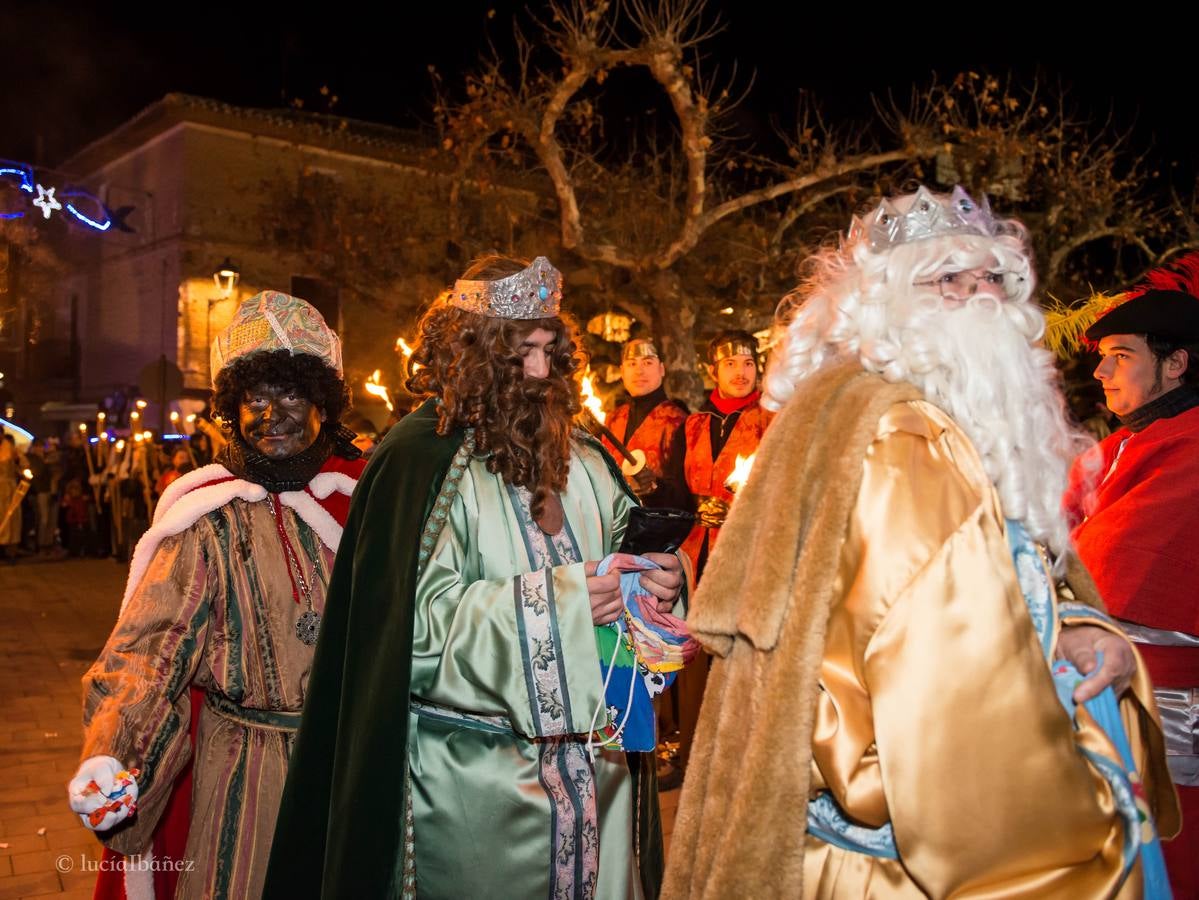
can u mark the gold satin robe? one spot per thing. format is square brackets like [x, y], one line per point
[938, 712]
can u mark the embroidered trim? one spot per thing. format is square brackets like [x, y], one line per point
[534, 598]
[827, 822]
[445, 498]
[1034, 583]
[566, 775]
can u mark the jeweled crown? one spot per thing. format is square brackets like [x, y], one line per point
[930, 215]
[534, 292]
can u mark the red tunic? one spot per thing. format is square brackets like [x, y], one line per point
[654, 437]
[1138, 537]
[705, 476]
[1139, 541]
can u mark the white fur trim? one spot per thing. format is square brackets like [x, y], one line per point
[189, 482]
[181, 515]
[179, 509]
[315, 516]
[325, 483]
[139, 878]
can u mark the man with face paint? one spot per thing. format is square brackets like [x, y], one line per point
[210, 657]
[650, 423]
[1133, 497]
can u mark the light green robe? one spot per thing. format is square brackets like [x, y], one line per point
[505, 682]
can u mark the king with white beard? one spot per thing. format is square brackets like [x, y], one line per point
[900, 633]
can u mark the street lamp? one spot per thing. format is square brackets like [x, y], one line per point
[225, 278]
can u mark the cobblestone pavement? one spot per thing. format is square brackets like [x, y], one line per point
[56, 616]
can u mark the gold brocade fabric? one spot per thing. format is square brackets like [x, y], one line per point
[712, 512]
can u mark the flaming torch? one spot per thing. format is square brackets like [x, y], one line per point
[593, 420]
[591, 401]
[402, 346]
[740, 473]
[17, 497]
[375, 389]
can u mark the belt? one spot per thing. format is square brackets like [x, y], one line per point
[273, 720]
[437, 712]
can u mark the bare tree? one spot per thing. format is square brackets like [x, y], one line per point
[688, 222]
[527, 109]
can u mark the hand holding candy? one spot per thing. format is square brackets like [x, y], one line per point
[103, 792]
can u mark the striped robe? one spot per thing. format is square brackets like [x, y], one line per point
[215, 611]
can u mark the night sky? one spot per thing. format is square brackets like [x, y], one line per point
[72, 71]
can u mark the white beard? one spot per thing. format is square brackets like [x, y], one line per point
[1003, 392]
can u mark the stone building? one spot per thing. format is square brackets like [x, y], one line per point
[349, 215]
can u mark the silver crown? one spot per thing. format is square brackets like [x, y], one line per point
[930, 215]
[534, 292]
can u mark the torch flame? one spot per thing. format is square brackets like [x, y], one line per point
[740, 473]
[590, 400]
[28, 473]
[375, 389]
[191, 418]
[402, 346]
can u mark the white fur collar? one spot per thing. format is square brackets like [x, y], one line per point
[192, 496]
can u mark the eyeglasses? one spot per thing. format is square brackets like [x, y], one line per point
[960, 285]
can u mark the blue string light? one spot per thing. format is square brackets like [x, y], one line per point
[85, 220]
[26, 176]
[13, 427]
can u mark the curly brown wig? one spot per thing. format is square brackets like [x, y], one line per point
[312, 377]
[471, 362]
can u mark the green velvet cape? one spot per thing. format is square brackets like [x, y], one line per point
[340, 832]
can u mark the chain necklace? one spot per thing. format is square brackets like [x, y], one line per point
[309, 624]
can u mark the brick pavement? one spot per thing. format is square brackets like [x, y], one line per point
[55, 617]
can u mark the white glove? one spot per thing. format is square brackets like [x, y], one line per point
[103, 792]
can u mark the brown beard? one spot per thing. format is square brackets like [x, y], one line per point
[523, 423]
[530, 442]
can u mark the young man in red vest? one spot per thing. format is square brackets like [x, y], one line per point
[1133, 496]
[728, 425]
[650, 425]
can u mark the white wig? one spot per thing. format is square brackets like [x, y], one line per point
[981, 363]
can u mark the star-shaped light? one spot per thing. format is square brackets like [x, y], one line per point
[46, 201]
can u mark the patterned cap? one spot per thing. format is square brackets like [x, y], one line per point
[276, 321]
